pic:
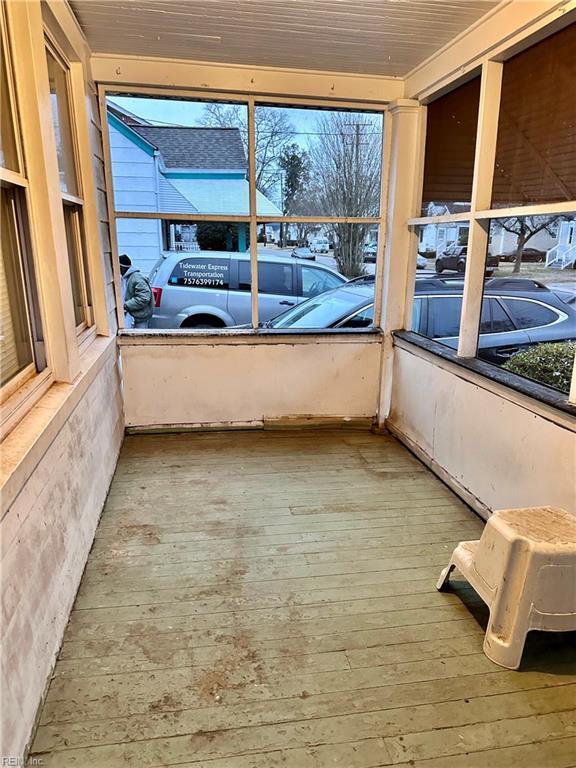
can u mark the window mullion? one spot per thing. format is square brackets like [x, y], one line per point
[488, 111]
[253, 220]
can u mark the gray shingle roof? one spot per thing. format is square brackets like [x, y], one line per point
[207, 148]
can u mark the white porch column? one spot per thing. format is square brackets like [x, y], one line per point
[408, 125]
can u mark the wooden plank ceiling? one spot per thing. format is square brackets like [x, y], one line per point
[377, 37]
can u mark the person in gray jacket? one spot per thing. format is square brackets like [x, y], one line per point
[136, 293]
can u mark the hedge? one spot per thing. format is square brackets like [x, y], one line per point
[549, 364]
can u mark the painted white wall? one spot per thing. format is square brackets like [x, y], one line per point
[232, 383]
[498, 447]
[47, 531]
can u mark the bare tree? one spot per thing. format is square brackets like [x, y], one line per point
[525, 227]
[346, 160]
[273, 132]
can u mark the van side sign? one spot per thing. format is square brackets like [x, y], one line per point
[196, 273]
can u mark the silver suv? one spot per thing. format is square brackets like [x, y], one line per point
[211, 289]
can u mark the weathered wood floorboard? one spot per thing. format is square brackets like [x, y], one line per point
[266, 600]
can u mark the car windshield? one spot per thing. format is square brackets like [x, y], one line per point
[319, 312]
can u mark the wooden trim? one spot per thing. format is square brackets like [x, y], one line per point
[209, 80]
[478, 234]
[17, 402]
[254, 297]
[110, 207]
[542, 209]
[180, 216]
[422, 221]
[11, 177]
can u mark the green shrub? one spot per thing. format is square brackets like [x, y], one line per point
[549, 364]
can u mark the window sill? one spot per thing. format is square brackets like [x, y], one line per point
[492, 373]
[186, 336]
[24, 447]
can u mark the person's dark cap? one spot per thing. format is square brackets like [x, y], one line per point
[125, 261]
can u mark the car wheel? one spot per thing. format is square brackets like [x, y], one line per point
[461, 267]
[202, 322]
[439, 268]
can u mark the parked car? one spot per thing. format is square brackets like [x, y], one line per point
[454, 258]
[320, 245]
[421, 262]
[516, 313]
[528, 255]
[212, 289]
[303, 252]
[370, 253]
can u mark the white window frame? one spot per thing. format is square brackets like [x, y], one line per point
[28, 385]
[86, 329]
[253, 219]
[481, 214]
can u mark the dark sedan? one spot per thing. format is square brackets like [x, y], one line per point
[516, 313]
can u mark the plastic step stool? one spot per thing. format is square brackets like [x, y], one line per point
[524, 568]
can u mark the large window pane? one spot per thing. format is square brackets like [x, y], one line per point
[199, 272]
[8, 147]
[441, 264]
[535, 157]
[533, 297]
[179, 156]
[450, 146]
[15, 334]
[311, 288]
[61, 119]
[318, 162]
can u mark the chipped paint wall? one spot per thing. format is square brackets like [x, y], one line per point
[491, 442]
[47, 532]
[249, 381]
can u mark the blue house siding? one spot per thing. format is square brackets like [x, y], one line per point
[135, 189]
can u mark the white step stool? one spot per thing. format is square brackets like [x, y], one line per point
[524, 568]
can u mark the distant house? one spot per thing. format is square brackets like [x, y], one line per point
[172, 169]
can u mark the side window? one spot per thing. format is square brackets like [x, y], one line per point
[275, 279]
[201, 273]
[444, 316]
[529, 314]
[417, 315]
[315, 281]
[500, 320]
[485, 318]
[362, 319]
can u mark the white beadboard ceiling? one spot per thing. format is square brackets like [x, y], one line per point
[373, 37]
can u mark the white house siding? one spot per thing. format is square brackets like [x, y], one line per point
[171, 200]
[135, 189]
[141, 239]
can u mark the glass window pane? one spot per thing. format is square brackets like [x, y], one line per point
[61, 119]
[8, 150]
[533, 292]
[317, 255]
[450, 146]
[15, 336]
[535, 157]
[318, 162]
[179, 156]
[75, 260]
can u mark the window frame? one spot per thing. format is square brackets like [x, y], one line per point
[253, 218]
[74, 205]
[36, 377]
[481, 211]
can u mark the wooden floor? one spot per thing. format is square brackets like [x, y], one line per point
[266, 599]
